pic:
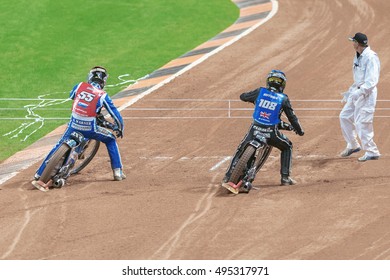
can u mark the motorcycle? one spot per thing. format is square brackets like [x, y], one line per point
[249, 162]
[72, 156]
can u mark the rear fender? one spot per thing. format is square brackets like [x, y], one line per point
[260, 144]
[261, 137]
[71, 143]
[256, 144]
[77, 137]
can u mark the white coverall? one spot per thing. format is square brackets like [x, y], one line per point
[356, 118]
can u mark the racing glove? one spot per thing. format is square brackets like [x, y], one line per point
[285, 126]
[118, 132]
[345, 97]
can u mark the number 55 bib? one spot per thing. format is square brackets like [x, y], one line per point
[86, 100]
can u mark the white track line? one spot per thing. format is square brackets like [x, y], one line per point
[218, 164]
[7, 177]
[227, 117]
[190, 99]
[210, 118]
[30, 99]
[238, 100]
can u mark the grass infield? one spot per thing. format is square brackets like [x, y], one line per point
[48, 46]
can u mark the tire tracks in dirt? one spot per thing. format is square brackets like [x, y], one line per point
[200, 210]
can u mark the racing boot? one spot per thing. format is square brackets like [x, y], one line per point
[287, 181]
[118, 174]
[285, 163]
[36, 177]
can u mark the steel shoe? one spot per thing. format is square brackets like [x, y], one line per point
[232, 187]
[40, 185]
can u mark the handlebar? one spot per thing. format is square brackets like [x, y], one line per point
[101, 121]
[285, 126]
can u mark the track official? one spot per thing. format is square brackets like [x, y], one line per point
[356, 118]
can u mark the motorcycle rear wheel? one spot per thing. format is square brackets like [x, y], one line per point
[55, 163]
[242, 165]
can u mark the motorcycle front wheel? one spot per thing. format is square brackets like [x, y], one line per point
[85, 157]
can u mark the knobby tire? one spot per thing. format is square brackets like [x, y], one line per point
[242, 164]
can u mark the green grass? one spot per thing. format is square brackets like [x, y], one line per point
[48, 46]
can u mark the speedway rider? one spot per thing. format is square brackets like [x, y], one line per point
[89, 98]
[270, 103]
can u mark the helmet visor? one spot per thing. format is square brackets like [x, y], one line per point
[98, 75]
[276, 80]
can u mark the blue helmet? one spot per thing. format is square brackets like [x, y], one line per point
[276, 81]
[99, 75]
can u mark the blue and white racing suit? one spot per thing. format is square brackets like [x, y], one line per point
[88, 101]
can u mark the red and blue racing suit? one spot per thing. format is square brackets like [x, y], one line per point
[88, 102]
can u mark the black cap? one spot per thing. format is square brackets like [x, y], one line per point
[360, 38]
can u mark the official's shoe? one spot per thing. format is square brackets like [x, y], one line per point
[118, 174]
[365, 158]
[287, 181]
[40, 185]
[347, 152]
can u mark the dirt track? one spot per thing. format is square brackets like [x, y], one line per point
[171, 205]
